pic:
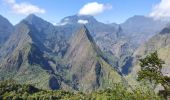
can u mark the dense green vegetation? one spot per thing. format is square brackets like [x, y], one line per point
[10, 90]
[151, 70]
[151, 67]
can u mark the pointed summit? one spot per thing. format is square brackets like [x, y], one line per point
[83, 39]
[76, 18]
[89, 71]
[84, 33]
[4, 20]
[36, 21]
[6, 29]
[32, 17]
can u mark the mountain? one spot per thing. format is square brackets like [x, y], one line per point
[36, 30]
[78, 19]
[26, 54]
[39, 53]
[80, 53]
[102, 33]
[87, 67]
[135, 31]
[107, 36]
[160, 43]
[117, 41]
[6, 29]
[141, 28]
[91, 23]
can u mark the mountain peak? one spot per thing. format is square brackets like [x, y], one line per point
[6, 29]
[31, 15]
[81, 16]
[166, 30]
[85, 61]
[138, 18]
[32, 19]
[82, 40]
[84, 33]
[78, 18]
[36, 22]
[3, 20]
[1, 17]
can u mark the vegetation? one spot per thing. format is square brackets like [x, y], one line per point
[151, 67]
[10, 90]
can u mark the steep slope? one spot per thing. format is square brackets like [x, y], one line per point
[41, 32]
[108, 37]
[160, 43]
[34, 54]
[138, 27]
[26, 55]
[87, 68]
[104, 34]
[117, 41]
[6, 29]
[136, 30]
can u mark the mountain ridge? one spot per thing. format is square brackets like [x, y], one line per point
[86, 60]
[6, 29]
[75, 56]
[160, 43]
[32, 57]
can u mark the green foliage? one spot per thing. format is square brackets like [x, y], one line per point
[120, 92]
[151, 67]
[10, 90]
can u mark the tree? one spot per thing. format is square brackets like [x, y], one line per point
[151, 67]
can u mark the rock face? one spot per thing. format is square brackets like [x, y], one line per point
[86, 65]
[109, 37]
[160, 43]
[103, 34]
[26, 54]
[117, 41]
[38, 53]
[141, 28]
[136, 31]
[80, 53]
[6, 29]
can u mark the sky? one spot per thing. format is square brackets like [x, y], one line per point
[107, 11]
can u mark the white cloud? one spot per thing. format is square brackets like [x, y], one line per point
[55, 24]
[94, 8]
[24, 8]
[82, 21]
[62, 24]
[161, 10]
[66, 19]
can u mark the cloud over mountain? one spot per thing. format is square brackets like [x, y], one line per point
[94, 8]
[24, 8]
[161, 10]
[82, 21]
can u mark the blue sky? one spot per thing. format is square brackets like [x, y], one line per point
[54, 10]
